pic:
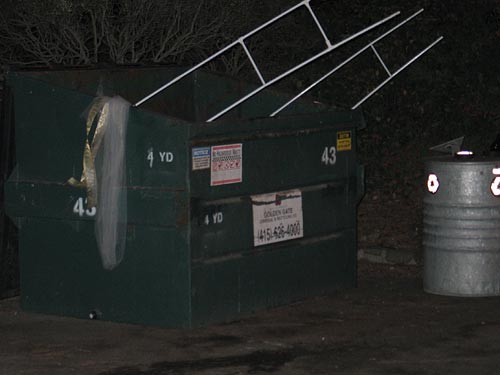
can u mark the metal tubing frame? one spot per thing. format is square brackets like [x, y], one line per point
[322, 31]
[301, 65]
[397, 72]
[380, 60]
[252, 61]
[240, 40]
[349, 59]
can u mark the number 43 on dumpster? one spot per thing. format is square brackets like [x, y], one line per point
[329, 156]
[80, 208]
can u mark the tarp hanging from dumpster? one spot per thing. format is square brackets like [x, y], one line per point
[111, 219]
[104, 176]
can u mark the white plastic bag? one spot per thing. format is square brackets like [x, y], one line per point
[111, 180]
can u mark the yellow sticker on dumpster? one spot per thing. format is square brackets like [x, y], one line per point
[344, 141]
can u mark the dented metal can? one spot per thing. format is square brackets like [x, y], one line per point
[461, 235]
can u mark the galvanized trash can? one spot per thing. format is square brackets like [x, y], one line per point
[224, 218]
[462, 226]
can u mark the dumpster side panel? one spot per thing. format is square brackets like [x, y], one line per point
[50, 134]
[52, 200]
[327, 208]
[50, 130]
[156, 151]
[61, 270]
[233, 287]
[130, 83]
[61, 273]
[234, 270]
[214, 93]
[9, 268]
[277, 158]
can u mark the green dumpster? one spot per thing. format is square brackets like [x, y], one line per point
[224, 218]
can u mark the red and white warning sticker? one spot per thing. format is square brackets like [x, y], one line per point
[226, 164]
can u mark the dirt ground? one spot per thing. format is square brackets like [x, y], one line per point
[387, 325]
[390, 228]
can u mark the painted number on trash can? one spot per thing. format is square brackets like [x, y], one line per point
[329, 156]
[80, 208]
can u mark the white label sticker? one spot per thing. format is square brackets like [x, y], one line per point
[226, 164]
[201, 158]
[277, 217]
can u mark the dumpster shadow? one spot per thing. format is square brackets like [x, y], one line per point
[259, 361]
